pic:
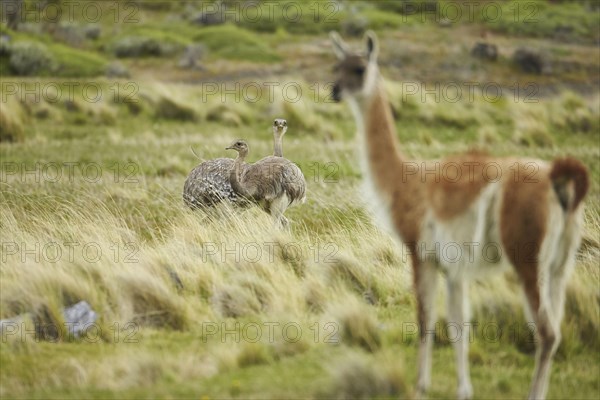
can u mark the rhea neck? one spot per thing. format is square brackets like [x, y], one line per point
[235, 176]
[277, 142]
[376, 128]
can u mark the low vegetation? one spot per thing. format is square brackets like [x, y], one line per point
[217, 304]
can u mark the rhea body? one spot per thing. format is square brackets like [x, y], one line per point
[529, 212]
[275, 183]
[208, 183]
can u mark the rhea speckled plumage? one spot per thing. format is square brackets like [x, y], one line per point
[208, 184]
[527, 211]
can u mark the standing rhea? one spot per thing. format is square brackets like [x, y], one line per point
[529, 211]
[279, 129]
[208, 183]
[275, 183]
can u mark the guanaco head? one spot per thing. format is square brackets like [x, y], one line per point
[279, 126]
[240, 146]
[356, 72]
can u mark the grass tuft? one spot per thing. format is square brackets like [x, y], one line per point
[357, 324]
[12, 127]
[231, 42]
[357, 377]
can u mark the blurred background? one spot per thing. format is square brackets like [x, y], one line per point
[100, 104]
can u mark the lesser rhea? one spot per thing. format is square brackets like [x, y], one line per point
[275, 183]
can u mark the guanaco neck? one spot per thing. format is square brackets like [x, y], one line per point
[393, 176]
[277, 143]
[378, 137]
[235, 176]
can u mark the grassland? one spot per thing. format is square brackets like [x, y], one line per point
[217, 304]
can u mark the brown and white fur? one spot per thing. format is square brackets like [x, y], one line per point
[527, 211]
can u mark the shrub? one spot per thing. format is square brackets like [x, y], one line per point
[253, 354]
[30, 58]
[349, 271]
[139, 46]
[246, 296]
[357, 377]
[171, 109]
[77, 63]
[570, 21]
[357, 325]
[235, 43]
[153, 303]
[531, 126]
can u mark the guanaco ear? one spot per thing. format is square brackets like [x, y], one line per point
[339, 47]
[372, 45]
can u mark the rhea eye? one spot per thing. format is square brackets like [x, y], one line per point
[284, 123]
[359, 70]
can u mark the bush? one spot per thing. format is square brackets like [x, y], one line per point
[30, 58]
[247, 295]
[170, 109]
[357, 377]
[139, 46]
[235, 43]
[568, 21]
[77, 63]
[253, 354]
[357, 325]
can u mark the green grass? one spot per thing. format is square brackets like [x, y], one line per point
[171, 356]
[577, 20]
[235, 43]
[68, 62]
[350, 289]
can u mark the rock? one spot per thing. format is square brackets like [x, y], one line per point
[193, 53]
[5, 45]
[69, 33]
[210, 18]
[531, 61]
[485, 51]
[137, 46]
[92, 31]
[444, 22]
[30, 58]
[117, 70]
[355, 26]
[77, 319]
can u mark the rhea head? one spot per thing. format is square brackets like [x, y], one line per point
[240, 146]
[279, 127]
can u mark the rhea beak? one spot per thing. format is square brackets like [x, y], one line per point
[229, 148]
